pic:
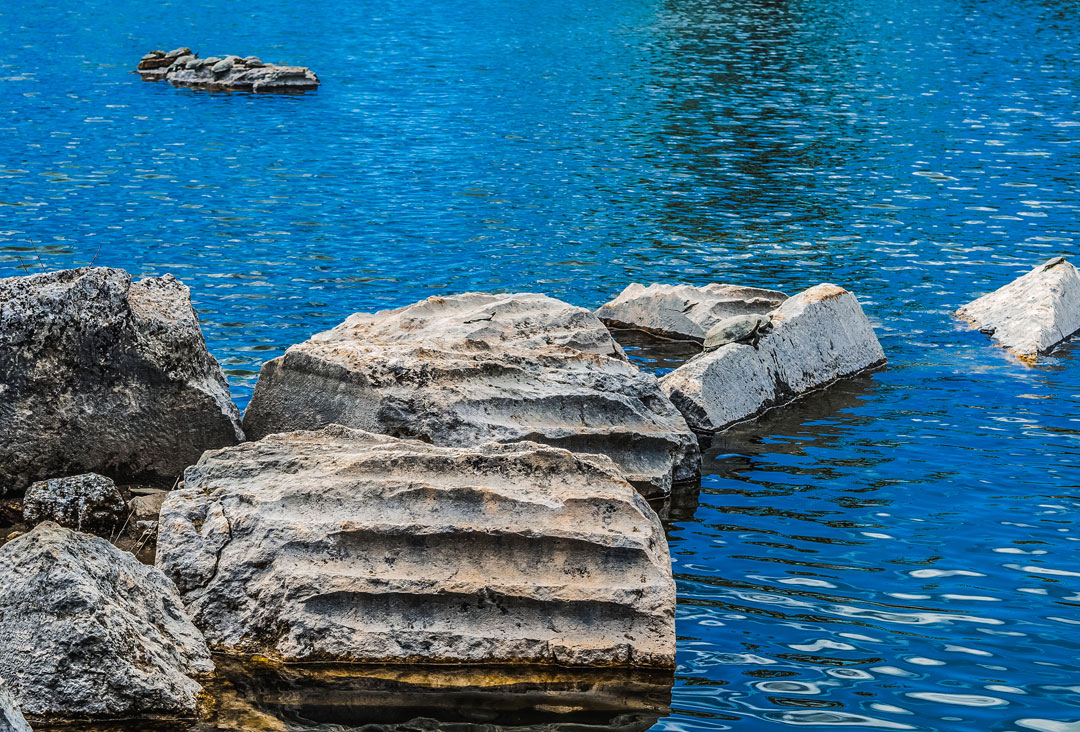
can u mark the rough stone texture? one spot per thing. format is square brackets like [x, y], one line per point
[342, 545]
[86, 631]
[88, 502]
[101, 374]
[1033, 313]
[11, 718]
[476, 368]
[147, 507]
[232, 73]
[817, 336]
[685, 311]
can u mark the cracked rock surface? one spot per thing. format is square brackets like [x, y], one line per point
[475, 368]
[182, 67]
[87, 631]
[1033, 313]
[102, 374]
[342, 545]
[817, 337]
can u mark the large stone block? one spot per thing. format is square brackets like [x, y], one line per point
[816, 337]
[341, 545]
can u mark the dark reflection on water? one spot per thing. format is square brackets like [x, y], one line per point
[897, 553]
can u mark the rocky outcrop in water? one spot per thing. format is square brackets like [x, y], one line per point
[815, 337]
[86, 631]
[182, 67]
[475, 368]
[102, 374]
[11, 717]
[88, 502]
[685, 311]
[342, 545]
[1033, 313]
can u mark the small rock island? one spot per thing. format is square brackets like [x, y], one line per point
[183, 67]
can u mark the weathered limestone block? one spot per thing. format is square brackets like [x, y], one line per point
[1033, 313]
[101, 374]
[87, 502]
[183, 68]
[341, 545]
[685, 311]
[476, 368]
[11, 718]
[87, 631]
[816, 337]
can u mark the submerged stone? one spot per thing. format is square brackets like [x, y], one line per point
[816, 337]
[88, 502]
[341, 545]
[1033, 313]
[476, 368]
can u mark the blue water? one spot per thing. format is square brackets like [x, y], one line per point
[899, 553]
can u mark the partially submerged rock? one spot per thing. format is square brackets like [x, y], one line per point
[87, 631]
[341, 545]
[475, 368]
[816, 337]
[685, 311]
[11, 718]
[101, 374]
[182, 67]
[1033, 313]
[88, 502]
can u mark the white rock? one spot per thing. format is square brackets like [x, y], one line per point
[87, 502]
[11, 718]
[342, 545]
[817, 336]
[1033, 313]
[87, 631]
[476, 368]
[685, 311]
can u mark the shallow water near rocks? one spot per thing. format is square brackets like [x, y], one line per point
[896, 553]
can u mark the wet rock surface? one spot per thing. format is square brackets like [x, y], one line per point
[475, 368]
[1033, 313]
[685, 311]
[86, 631]
[87, 502]
[815, 337]
[102, 374]
[182, 67]
[341, 545]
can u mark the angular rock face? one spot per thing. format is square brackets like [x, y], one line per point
[342, 545]
[184, 68]
[101, 374]
[817, 336]
[685, 311]
[86, 631]
[475, 368]
[11, 718]
[88, 502]
[1033, 313]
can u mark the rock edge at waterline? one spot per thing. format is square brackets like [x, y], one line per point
[1031, 314]
[182, 67]
[340, 545]
[816, 337]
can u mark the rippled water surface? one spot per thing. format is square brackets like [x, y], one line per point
[897, 553]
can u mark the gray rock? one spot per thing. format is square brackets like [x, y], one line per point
[685, 311]
[101, 374]
[476, 368]
[87, 631]
[87, 502]
[737, 329]
[341, 545]
[817, 337]
[228, 73]
[1033, 313]
[11, 718]
[147, 507]
[178, 52]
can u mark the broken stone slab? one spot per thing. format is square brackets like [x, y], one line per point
[182, 67]
[88, 502]
[477, 368]
[11, 717]
[340, 545]
[1031, 314]
[88, 632]
[685, 311]
[816, 337]
[102, 374]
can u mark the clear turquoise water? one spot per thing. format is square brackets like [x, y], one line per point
[899, 553]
